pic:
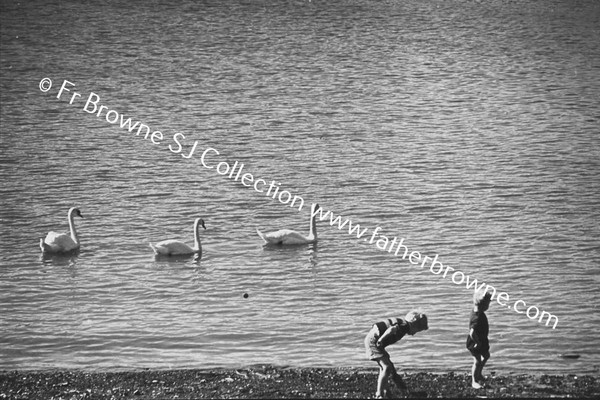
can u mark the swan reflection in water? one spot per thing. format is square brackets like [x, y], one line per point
[60, 259]
[195, 257]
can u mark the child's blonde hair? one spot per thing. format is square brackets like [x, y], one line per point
[418, 318]
[481, 295]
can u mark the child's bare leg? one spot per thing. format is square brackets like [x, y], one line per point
[476, 372]
[382, 384]
[386, 369]
[484, 359]
[398, 381]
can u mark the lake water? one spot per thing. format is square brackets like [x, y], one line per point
[470, 129]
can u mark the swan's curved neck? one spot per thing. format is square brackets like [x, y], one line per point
[313, 227]
[72, 228]
[197, 244]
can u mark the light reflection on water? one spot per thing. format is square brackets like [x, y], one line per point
[475, 141]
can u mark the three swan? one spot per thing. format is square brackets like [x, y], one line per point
[62, 242]
[173, 247]
[69, 242]
[291, 237]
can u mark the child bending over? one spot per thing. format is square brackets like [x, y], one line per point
[385, 333]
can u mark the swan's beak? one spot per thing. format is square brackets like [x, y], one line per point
[202, 224]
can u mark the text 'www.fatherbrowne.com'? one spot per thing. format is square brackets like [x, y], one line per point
[398, 248]
[209, 158]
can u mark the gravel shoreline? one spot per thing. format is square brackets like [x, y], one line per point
[277, 382]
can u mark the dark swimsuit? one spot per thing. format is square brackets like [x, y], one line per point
[403, 329]
[480, 326]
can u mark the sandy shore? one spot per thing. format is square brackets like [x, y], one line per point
[276, 382]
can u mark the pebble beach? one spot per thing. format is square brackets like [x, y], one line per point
[280, 383]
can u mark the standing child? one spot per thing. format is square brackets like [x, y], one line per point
[385, 333]
[477, 341]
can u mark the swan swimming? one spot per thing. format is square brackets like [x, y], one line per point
[62, 242]
[172, 247]
[290, 237]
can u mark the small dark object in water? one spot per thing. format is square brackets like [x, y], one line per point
[245, 295]
[570, 355]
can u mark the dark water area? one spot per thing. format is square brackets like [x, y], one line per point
[468, 129]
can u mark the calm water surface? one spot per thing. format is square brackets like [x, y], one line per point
[471, 129]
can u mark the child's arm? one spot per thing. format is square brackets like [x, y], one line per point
[475, 337]
[388, 332]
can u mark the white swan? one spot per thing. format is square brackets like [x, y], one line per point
[290, 237]
[173, 247]
[62, 242]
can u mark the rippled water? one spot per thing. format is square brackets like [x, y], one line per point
[470, 129]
